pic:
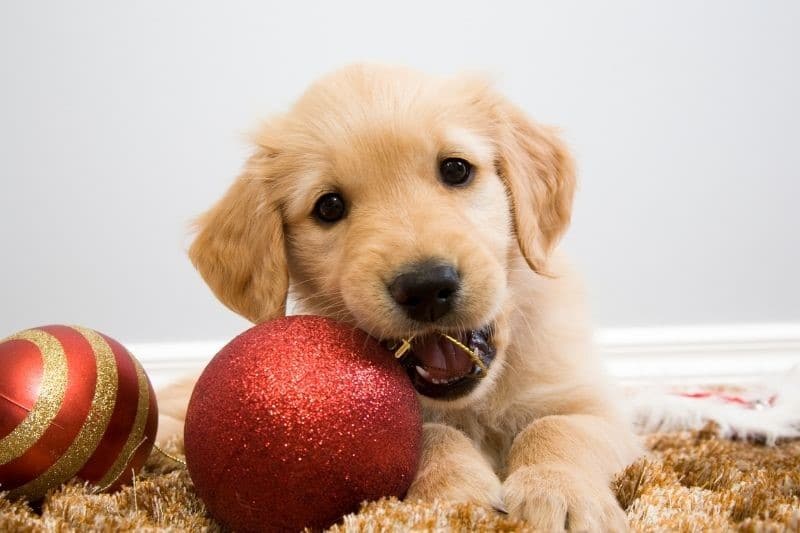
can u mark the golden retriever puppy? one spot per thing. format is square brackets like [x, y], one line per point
[412, 207]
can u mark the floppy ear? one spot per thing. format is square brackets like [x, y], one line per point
[239, 249]
[539, 175]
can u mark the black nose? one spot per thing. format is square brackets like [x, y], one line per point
[427, 291]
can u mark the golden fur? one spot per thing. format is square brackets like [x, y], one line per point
[540, 436]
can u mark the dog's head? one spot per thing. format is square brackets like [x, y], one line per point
[395, 202]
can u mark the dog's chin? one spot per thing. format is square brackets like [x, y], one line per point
[439, 369]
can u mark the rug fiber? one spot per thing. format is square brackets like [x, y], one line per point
[689, 481]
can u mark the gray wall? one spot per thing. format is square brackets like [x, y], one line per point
[120, 121]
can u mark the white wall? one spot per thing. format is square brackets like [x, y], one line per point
[120, 121]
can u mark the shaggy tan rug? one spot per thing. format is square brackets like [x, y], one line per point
[690, 481]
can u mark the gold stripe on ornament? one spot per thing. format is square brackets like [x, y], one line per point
[136, 437]
[51, 394]
[84, 445]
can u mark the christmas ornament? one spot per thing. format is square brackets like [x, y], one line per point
[73, 402]
[297, 421]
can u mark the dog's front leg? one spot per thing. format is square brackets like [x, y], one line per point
[560, 470]
[172, 403]
[452, 469]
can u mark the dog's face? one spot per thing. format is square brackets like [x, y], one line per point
[391, 201]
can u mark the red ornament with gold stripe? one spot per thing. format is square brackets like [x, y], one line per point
[73, 403]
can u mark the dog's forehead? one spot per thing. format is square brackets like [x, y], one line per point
[364, 111]
[362, 126]
[384, 148]
[382, 156]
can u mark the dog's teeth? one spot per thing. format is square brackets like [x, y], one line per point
[424, 373]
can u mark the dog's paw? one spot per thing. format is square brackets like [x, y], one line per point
[483, 489]
[556, 499]
[168, 428]
[453, 470]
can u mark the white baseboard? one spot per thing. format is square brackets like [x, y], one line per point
[733, 353]
[730, 353]
[166, 362]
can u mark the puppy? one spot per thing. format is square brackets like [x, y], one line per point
[413, 207]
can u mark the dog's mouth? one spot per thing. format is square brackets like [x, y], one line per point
[446, 365]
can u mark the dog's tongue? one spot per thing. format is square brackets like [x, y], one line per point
[441, 358]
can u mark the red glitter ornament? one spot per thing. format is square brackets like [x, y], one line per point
[297, 421]
[73, 402]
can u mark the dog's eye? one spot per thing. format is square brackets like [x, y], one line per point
[455, 171]
[329, 207]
